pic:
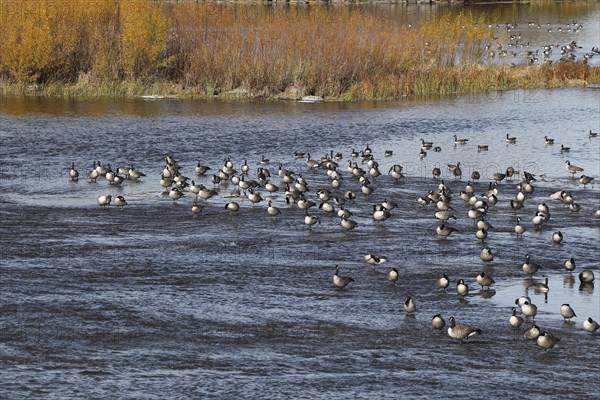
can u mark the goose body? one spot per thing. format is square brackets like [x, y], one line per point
[375, 259]
[486, 254]
[272, 210]
[462, 289]
[232, 206]
[461, 331]
[586, 276]
[73, 173]
[572, 169]
[392, 275]
[589, 325]
[460, 140]
[546, 341]
[529, 267]
[515, 320]
[567, 312]
[443, 282]
[532, 333]
[437, 322]
[519, 229]
[564, 149]
[444, 230]
[175, 194]
[569, 264]
[557, 237]
[548, 140]
[104, 200]
[341, 281]
[409, 305]
[529, 309]
[510, 139]
[348, 224]
[197, 208]
[485, 280]
[120, 201]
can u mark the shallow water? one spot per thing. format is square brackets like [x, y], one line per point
[150, 300]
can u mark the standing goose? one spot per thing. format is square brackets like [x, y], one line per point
[197, 208]
[557, 237]
[585, 180]
[120, 202]
[175, 194]
[392, 275]
[272, 210]
[310, 219]
[529, 267]
[445, 231]
[481, 234]
[570, 264]
[486, 254]
[521, 300]
[341, 281]
[232, 207]
[591, 326]
[572, 169]
[437, 322]
[519, 229]
[409, 306]
[546, 341]
[529, 310]
[567, 312]
[104, 200]
[443, 282]
[73, 173]
[348, 224]
[475, 175]
[532, 333]
[462, 289]
[515, 320]
[461, 331]
[460, 141]
[485, 280]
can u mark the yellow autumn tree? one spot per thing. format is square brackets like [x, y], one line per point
[144, 31]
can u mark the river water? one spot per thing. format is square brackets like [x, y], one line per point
[151, 301]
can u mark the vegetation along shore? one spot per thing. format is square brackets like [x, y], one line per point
[123, 48]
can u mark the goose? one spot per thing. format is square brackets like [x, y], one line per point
[93, 174]
[586, 276]
[380, 213]
[532, 333]
[310, 219]
[572, 169]
[538, 219]
[592, 134]
[73, 173]
[591, 326]
[548, 140]
[570, 264]
[101, 169]
[437, 149]
[272, 210]
[135, 174]
[485, 280]
[375, 259]
[341, 281]
[486, 254]
[298, 154]
[388, 153]
[206, 193]
[557, 237]
[164, 181]
[232, 207]
[350, 195]
[104, 200]
[521, 300]
[498, 176]
[475, 175]
[528, 309]
[510, 139]
[343, 212]
[396, 172]
[515, 320]
[436, 172]
[392, 275]
[409, 305]
[426, 145]
[529, 267]
[326, 207]
[575, 207]
[389, 204]
[519, 229]
[564, 149]
[546, 341]
[422, 154]
[348, 224]
[120, 201]
[482, 147]
[516, 205]
[443, 282]
[437, 322]
[510, 172]
[444, 215]
[542, 287]
[481, 234]
[585, 180]
[197, 208]
[445, 231]
[462, 289]
[368, 150]
[460, 141]
[461, 331]
[312, 164]
[175, 194]
[264, 161]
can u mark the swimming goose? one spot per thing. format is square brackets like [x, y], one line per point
[529, 267]
[437, 149]
[591, 326]
[426, 145]
[557, 237]
[409, 305]
[564, 149]
[460, 141]
[572, 169]
[104, 200]
[532, 333]
[586, 276]
[486, 254]
[437, 322]
[445, 231]
[461, 331]
[515, 320]
[120, 201]
[482, 147]
[528, 309]
[443, 282]
[593, 134]
[548, 140]
[546, 341]
[462, 289]
[510, 139]
[375, 259]
[73, 173]
[392, 275]
[542, 287]
[341, 281]
[570, 264]
[485, 280]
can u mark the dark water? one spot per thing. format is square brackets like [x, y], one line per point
[150, 301]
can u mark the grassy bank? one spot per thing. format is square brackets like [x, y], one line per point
[118, 48]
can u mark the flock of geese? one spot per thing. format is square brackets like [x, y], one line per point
[335, 201]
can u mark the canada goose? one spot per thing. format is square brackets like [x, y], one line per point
[498, 176]
[120, 201]
[529, 267]
[341, 281]
[310, 219]
[486, 254]
[542, 287]
[206, 193]
[528, 309]
[422, 154]
[175, 194]
[380, 213]
[548, 140]
[516, 205]
[312, 164]
[586, 276]
[592, 134]
[461, 331]
[375, 259]
[572, 169]
[348, 224]
[73, 173]
[272, 210]
[575, 207]
[510, 172]
[462, 289]
[104, 200]
[93, 174]
[532, 333]
[443, 282]
[475, 175]
[437, 149]
[521, 300]
[481, 234]
[197, 208]
[585, 180]
[460, 141]
[298, 154]
[515, 320]
[485, 280]
[564, 149]
[557, 237]
[510, 139]
[437, 322]
[589, 325]
[326, 207]
[426, 145]
[519, 229]
[570, 264]
[445, 231]
[436, 172]
[546, 341]
[482, 147]
[409, 305]
[232, 207]
[392, 275]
